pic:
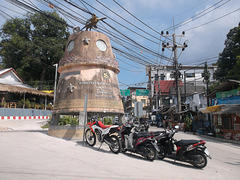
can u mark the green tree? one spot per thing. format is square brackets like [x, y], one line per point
[229, 60]
[32, 45]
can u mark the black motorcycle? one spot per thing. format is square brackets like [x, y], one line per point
[138, 142]
[192, 151]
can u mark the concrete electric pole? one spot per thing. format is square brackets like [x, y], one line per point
[174, 47]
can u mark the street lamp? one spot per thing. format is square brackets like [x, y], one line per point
[55, 84]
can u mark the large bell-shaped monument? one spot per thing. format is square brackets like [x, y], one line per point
[88, 67]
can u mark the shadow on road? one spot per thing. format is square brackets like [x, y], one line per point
[97, 147]
[179, 163]
[135, 156]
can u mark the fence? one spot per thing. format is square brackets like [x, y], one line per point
[24, 112]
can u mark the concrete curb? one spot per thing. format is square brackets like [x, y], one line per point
[23, 117]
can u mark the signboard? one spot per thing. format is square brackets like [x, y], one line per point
[125, 92]
[142, 92]
[225, 94]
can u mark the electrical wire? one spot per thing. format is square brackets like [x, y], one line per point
[198, 15]
[127, 20]
[213, 20]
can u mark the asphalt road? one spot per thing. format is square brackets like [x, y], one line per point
[28, 153]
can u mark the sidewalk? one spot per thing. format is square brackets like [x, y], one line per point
[219, 139]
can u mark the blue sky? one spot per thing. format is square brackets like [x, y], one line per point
[205, 22]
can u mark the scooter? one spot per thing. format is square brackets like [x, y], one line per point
[138, 142]
[192, 151]
[103, 133]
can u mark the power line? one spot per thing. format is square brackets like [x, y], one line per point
[136, 17]
[213, 20]
[189, 9]
[127, 20]
[193, 18]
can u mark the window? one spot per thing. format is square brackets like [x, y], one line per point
[162, 76]
[190, 74]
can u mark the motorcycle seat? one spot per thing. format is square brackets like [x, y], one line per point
[156, 133]
[182, 143]
[101, 125]
[142, 134]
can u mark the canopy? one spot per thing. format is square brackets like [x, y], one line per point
[222, 109]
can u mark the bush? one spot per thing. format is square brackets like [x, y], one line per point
[27, 103]
[107, 121]
[68, 120]
[188, 122]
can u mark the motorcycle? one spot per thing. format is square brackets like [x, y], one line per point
[103, 133]
[138, 142]
[192, 151]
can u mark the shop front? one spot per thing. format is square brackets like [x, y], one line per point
[225, 120]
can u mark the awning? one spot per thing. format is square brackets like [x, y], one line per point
[229, 109]
[211, 109]
[222, 109]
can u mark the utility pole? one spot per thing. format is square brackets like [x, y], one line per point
[174, 47]
[207, 80]
[185, 86]
[55, 84]
[157, 79]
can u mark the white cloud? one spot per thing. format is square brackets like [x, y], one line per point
[209, 39]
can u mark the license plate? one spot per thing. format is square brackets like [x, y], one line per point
[207, 153]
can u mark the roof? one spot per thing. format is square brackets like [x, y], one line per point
[225, 86]
[10, 76]
[165, 86]
[22, 90]
[5, 71]
[191, 89]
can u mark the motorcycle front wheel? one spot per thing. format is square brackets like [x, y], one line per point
[200, 160]
[115, 144]
[150, 152]
[90, 137]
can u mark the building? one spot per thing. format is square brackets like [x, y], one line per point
[135, 98]
[14, 92]
[225, 110]
[191, 83]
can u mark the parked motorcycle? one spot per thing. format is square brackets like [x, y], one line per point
[192, 151]
[138, 142]
[103, 133]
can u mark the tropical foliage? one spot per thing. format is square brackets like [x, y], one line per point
[229, 60]
[32, 45]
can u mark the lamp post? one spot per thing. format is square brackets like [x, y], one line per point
[55, 84]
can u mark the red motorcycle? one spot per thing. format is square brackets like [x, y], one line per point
[104, 134]
[192, 151]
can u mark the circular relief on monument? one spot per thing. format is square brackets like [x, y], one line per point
[106, 74]
[101, 45]
[70, 46]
